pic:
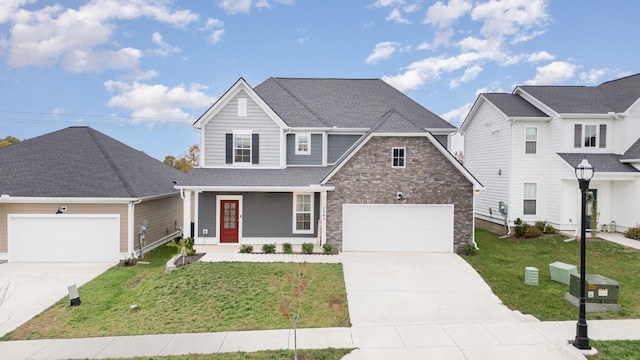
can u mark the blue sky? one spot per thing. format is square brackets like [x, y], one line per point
[142, 71]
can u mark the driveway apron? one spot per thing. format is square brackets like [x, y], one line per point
[33, 287]
[435, 305]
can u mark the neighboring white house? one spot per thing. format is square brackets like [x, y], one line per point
[523, 147]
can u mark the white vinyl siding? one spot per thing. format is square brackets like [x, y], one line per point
[398, 157]
[529, 199]
[303, 213]
[227, 121]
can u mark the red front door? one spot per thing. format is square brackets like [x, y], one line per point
[229, 221]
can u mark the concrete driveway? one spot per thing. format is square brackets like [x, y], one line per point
[33, 287]
[428, 305]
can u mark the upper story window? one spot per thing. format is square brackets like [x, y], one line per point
[303, 144]
[531, 140]
[242, 107]
[241, 148]
[529, 197]
[590, 136]
[398, 157]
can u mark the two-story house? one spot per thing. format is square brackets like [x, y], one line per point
[524, 146]
[351, 162]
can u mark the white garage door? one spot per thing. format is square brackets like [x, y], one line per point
[64, 238]
[403, 227]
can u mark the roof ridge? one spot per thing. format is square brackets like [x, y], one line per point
[110, 161]
[300, 102]
[385, 118]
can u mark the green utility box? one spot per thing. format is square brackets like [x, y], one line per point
[599, 289]
[561, 272]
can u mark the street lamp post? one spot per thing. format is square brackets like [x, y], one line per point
[584, 173]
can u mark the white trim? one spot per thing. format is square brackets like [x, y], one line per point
[311, 214]
[310, 188]
[404, 157]
[525, 140]
[325, 148]
[297, 138]
[228, 197]
[233, 147]
[50, 200]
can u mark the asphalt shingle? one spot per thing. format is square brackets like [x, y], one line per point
[606, 163]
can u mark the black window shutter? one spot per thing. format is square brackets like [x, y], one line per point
[577, 136]
[255, 148]
[603, 135]
[229, 148]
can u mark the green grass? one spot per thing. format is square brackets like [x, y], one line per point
[501, 263]
[200, 297]
[323, 354]
[616, 350]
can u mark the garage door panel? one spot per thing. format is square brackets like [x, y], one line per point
[390, 227]
[64, 238]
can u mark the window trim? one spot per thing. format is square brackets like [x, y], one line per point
[529, 199]
[298, 137]
[596, 136]
[527, 141]
[403, 157]
[311, 229]
[233, 148]
[242, 107]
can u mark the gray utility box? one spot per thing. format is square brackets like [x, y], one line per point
[561, 272]
[599, 289]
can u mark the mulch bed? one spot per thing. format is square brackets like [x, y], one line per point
[187, 259]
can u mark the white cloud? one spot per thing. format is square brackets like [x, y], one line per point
[218, 31]
[216, 36]
[396, 15]
[382, 51]
[511, 17]
[233, 7]
[444, 15]
[157, 102]
[164, 48]
[8, 8]
[424, 46]
[457, 116]
[593, 76]
[53, 34]
[385, 3]
[540, 56]
[470, 73]
[553, 73]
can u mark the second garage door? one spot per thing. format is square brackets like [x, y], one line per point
[402, 227]
[64, 238]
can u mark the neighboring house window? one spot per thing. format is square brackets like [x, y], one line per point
[529, 197]
[398, 157]
[242, 107]
[303, 144]
[303, 213]
[590, 136]
[531, 140]
[242, 147]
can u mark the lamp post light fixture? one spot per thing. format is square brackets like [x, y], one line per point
[584, 173]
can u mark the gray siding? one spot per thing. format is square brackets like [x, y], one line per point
[315, 158]
[443, 139]
[338, 145]
[227, 120]
[263, 214]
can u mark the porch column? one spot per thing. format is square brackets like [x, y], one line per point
[186, 211]
[323, 217]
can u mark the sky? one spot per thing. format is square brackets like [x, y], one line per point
[142, 71]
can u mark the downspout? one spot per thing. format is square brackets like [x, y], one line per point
[132, 226]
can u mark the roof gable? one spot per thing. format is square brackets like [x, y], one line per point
[240, 85]
[82, 162]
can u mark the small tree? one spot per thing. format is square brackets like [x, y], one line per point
[291, 300]
[593, 221]
[5, 292]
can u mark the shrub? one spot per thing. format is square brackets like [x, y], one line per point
[549, 229]
[189, 245]
[520, 227]
[633, 232]
[327, 249]
[269, 248]
[541, 225]
[307, 248]
[532, 232]
[470, 250]
[287, 248]
[246, 249]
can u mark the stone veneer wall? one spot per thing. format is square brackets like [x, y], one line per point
[428, 178]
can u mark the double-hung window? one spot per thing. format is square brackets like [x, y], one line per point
[531, 140]
[398, 157]
[529, 197]
[242, 148]
[303, 213]
[590, 136]
[303, 144]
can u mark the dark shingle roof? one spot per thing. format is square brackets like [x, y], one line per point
[600, 162]
[82, 162]
[292, 176]
[513, 105]
[633, 153]
[612, 96]
[345, 103]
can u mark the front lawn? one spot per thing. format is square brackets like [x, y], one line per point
[322, 354]
[501, 263]
[200, 297]
[615, 350]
